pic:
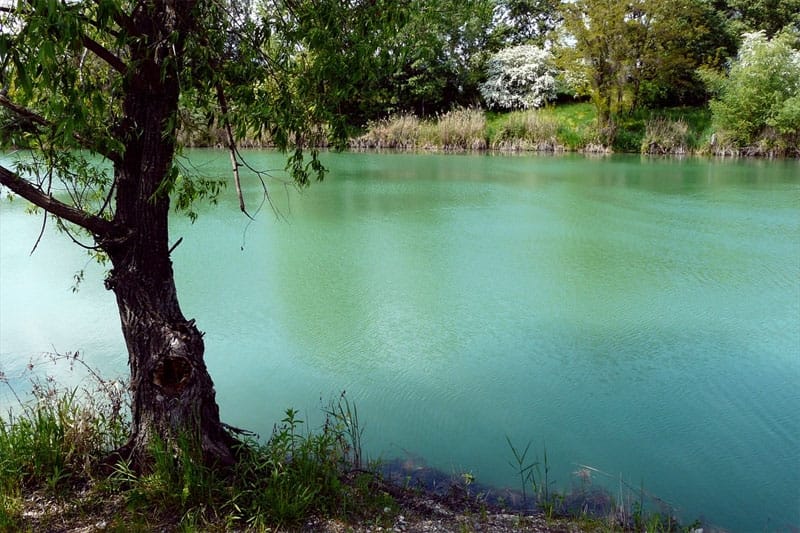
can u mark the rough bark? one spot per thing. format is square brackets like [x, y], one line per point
[172, 392]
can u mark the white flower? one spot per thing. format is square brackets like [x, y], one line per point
[519, 77]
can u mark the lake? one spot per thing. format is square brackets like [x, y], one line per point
[639, 316]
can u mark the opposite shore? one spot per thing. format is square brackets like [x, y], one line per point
[563, 128]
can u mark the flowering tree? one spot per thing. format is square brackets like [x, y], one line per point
[519, 77]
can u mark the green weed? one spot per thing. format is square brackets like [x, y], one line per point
[54, 441]
[523, 469]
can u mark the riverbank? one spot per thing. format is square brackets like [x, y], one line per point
[569, 127]
[92, 508]
[54, 477]
[565, 128]
[415, 512]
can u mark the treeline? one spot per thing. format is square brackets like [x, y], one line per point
[737, 58]
[623, 55]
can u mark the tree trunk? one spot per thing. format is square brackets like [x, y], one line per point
[172, 392]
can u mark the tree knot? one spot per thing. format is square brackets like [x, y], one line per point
[172, 374]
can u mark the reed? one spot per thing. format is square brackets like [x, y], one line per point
[664, 136]
[399, 132]
[591, 502]
[461, 130]
[530, 130]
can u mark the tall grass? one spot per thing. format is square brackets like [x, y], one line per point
[565, 127]
[53, 440]
[569, 127]
[59, 432]
[51, 445]
[528, 131]
[458, 130]
[664, 136]
[461, 130]
[399, 132]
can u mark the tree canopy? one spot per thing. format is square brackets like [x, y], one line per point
[769, 16]
[96, 91]
[642, 51]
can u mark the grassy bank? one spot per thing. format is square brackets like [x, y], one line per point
[54, 477]
[53, 474]
[567, 127]
[570, 127]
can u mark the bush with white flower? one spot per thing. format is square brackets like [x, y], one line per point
[519, 77]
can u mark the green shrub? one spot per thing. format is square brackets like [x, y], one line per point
[758, 104]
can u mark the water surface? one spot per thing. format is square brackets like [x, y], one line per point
[639, 316]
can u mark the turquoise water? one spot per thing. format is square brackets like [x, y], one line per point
[638, 316]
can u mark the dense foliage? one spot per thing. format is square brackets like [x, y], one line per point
[444, 54]
[641, 52]
[623, 56]
[760, 97]
[97, 91]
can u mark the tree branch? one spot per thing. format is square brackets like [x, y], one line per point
[37, 119]
[21, 112]
[99, 227]
[105, 54]
[122, 19]
[231, 141]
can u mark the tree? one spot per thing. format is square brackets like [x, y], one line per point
[111, 79]
[598, 30]
[527, 21]
[761, 94]
[441, 52]
[669, 40]
[520, 77]
[641, 51]
[769, 16]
